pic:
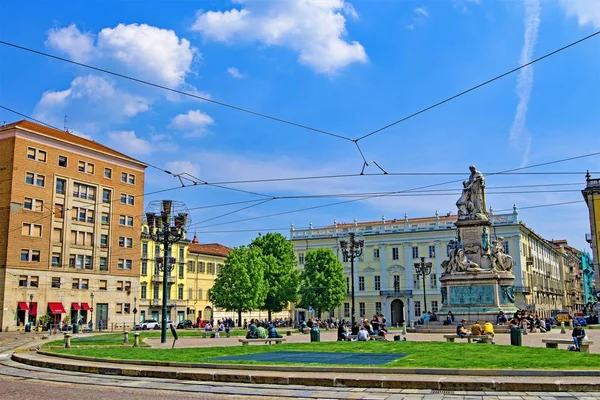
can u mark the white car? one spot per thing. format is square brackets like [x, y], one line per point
[150, 324]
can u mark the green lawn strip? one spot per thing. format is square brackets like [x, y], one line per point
[420, 355]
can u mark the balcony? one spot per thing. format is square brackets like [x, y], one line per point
[523, 289]
[159, 278]
[593, 183]
[396, 293]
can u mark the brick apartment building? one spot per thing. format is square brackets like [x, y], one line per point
[70, 228]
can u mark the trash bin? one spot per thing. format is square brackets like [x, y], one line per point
[315, 334]
[75, 328]
[516, 336]
[28, 327]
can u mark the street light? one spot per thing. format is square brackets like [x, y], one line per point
[30, 305]
[134, 310]
[352, 249]
[423, 268]
[166, 221]
[92, 310]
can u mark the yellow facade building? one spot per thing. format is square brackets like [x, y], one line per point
[69, 228]
[591, 195]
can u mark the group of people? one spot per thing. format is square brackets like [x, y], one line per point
[364, 330]
[257, 330]
[476, 329]
[525, 320]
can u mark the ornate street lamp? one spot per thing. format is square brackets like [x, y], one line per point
[422, 269]
[352, 248]
[92, 309]
[30, 305]
[166, 221]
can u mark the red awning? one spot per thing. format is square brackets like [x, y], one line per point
[33, 309]
[75, 306]
[85, 306]
[23, 306]
[56, 308]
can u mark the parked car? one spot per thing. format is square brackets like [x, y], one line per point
[187, 324]
[150, 324]
[580, 320]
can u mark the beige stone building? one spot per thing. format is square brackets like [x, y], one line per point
[70, 223]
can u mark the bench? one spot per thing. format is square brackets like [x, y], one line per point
[376, 338]
[553, 344]
[482, 338]
[245, 341]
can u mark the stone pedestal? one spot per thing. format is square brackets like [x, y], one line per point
[478, 295]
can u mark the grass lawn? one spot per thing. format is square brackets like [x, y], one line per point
[420, 354]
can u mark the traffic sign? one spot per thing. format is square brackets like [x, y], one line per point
[309, 308]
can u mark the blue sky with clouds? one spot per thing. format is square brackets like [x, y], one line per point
[344, 67]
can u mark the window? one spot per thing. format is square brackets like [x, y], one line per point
[375, 254]
[180, 292]
[127, 286]
[155, 294]
[431, 251]
[85, 284]
[191, 266]
[505, 245]
[75, 283]
[59, 211]
[104, 218]
[103, 285]
[124, 264]
[105, 196]
[201, 267]
[143, 291]
[181, 271]
[62, 161]
[82, 215]
[29, 229]
[181, 254]
[126, 308]
[23, 281]
[81, 238]
[131, 179]
[35, 179]
[61, 186]
[124, 177]
[347, 285]
[433, 281]
[103, 265]
[127, 199]
[199, 294]
[144, 268]
[361, 283]
[34, 281]
[125, 220]
[346, 310]
[84, 191]
[300, 258]
[190, 293]
[345, 257]
[86, 167]
[361, 309]
[57, 235]
[416, 281]
[396, 283]
[125, 242]
[30, 255]
[56, 283]
[417, 308]
[377, 280]
[434, 306]
[119, 286]
[36, 154]
[415, 251]
[103, 241]
[395, 255]
[108, 173]
[56, 259]
[377, 307]
[33, 204]
[211, 268]
[119, 308]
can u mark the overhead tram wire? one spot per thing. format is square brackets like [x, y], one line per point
[173, 90]
[477, 86]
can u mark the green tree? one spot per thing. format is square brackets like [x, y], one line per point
[281, 275]
[240, 284]
[322, 283]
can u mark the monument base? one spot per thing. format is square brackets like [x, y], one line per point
[478, 295]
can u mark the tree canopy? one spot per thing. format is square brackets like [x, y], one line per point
[322, 283]
[240, 284]
[281, 276]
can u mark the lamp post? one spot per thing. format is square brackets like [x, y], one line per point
[423, 268]
[166, 221]
[134, 310]
[352, 248]
[92, 310]
[30, 305]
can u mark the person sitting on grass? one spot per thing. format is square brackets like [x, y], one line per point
[578, 336]
[461, 330]
[252, 332]
[363, 335]
[488, 329]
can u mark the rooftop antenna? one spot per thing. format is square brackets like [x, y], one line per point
[65, 124]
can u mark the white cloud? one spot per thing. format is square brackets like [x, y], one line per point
[586, 11]
[313, 28]
[91, 94]
[410, 27]
[520, 137]
[70, 40]
[234, 72]
[421, 11]
[151, 53]
[193, 123]
[129, 141]
[178, 167]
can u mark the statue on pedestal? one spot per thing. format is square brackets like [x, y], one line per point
[500, 260]
[471, 204]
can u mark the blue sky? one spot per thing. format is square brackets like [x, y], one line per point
[345, 67]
